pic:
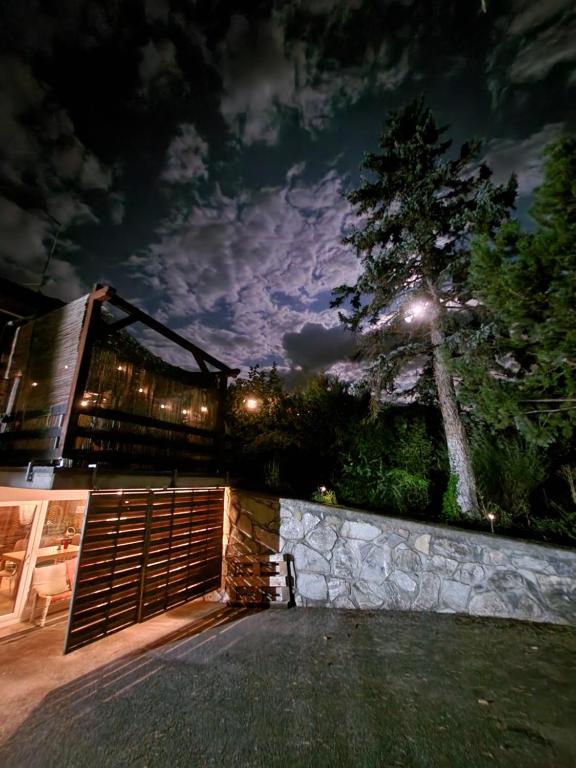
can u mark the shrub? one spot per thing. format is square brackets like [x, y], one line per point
[507, 474]
[450, 509]
[324, 496]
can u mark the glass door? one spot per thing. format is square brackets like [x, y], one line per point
[39, 545]
[19, 528]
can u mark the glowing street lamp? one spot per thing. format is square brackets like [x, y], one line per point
[416, 311]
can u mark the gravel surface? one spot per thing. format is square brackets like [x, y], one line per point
[314, 687]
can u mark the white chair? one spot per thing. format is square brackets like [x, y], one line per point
[10, 574]
[52, 583]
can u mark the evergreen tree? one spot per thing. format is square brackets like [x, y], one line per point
[418, 208]
[526, 282]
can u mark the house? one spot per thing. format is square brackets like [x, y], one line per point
[111, 463]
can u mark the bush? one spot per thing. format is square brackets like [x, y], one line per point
[451, 511]
[507, 473]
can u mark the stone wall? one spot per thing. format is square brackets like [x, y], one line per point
[350, 559]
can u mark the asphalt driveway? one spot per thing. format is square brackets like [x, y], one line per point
[317, 688]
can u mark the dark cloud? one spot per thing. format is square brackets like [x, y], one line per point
[522, 157]
[315, 347]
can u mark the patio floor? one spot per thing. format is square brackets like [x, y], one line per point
[208, 686]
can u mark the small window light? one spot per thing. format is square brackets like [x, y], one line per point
[34, 383]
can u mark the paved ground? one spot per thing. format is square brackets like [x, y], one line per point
[314, 688]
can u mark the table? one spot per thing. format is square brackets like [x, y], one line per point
[44, 554]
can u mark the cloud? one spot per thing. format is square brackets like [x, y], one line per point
[45, 170]
[536, 37]
[552, 45]
[23, 253]
[262, 264]
[158, 65]
[266, 73]
[117, 207]
[524, 158]
[187, 157]
[315, 347]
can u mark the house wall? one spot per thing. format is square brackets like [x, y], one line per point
[344, 558]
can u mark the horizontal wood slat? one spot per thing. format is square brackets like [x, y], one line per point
[142, 553]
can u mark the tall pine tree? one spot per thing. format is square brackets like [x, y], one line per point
[526, 342]
[419, 206]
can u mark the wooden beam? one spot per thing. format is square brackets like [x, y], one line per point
[108, 328]
[201, 357]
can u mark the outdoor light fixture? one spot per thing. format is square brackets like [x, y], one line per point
[140, 389]
[84, 403]
[120, 368]
[251, 403]
[491, 517]
[34, 383]
[416, 311]
[184, 412]
[162, 405]
[203, 409]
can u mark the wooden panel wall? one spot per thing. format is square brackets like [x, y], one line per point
[142, 553]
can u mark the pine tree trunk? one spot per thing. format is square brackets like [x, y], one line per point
[456, 439]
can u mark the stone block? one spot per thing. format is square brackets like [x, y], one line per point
[470, 573]
[338, 588]
[406, 560]
[306, 559]
[457, 550]
[429, 593]
[343, 602]
[444, 566]
[404, 581]
[563, 567]
[354, 530]
[309, 522]
[525, 562]
[322, 538]
[487, 604]
[422, 543]
[346, 560]
[266, 538]
[394, 539]
[311, 586]
[364, 596]
[394, 598]
[375, 566]
[494, 557]
[244, 524]
[290, 528]
[454, 595]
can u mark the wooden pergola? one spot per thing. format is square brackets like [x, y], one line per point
[157, 415]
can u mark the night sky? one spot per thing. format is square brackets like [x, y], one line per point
[197, 154]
